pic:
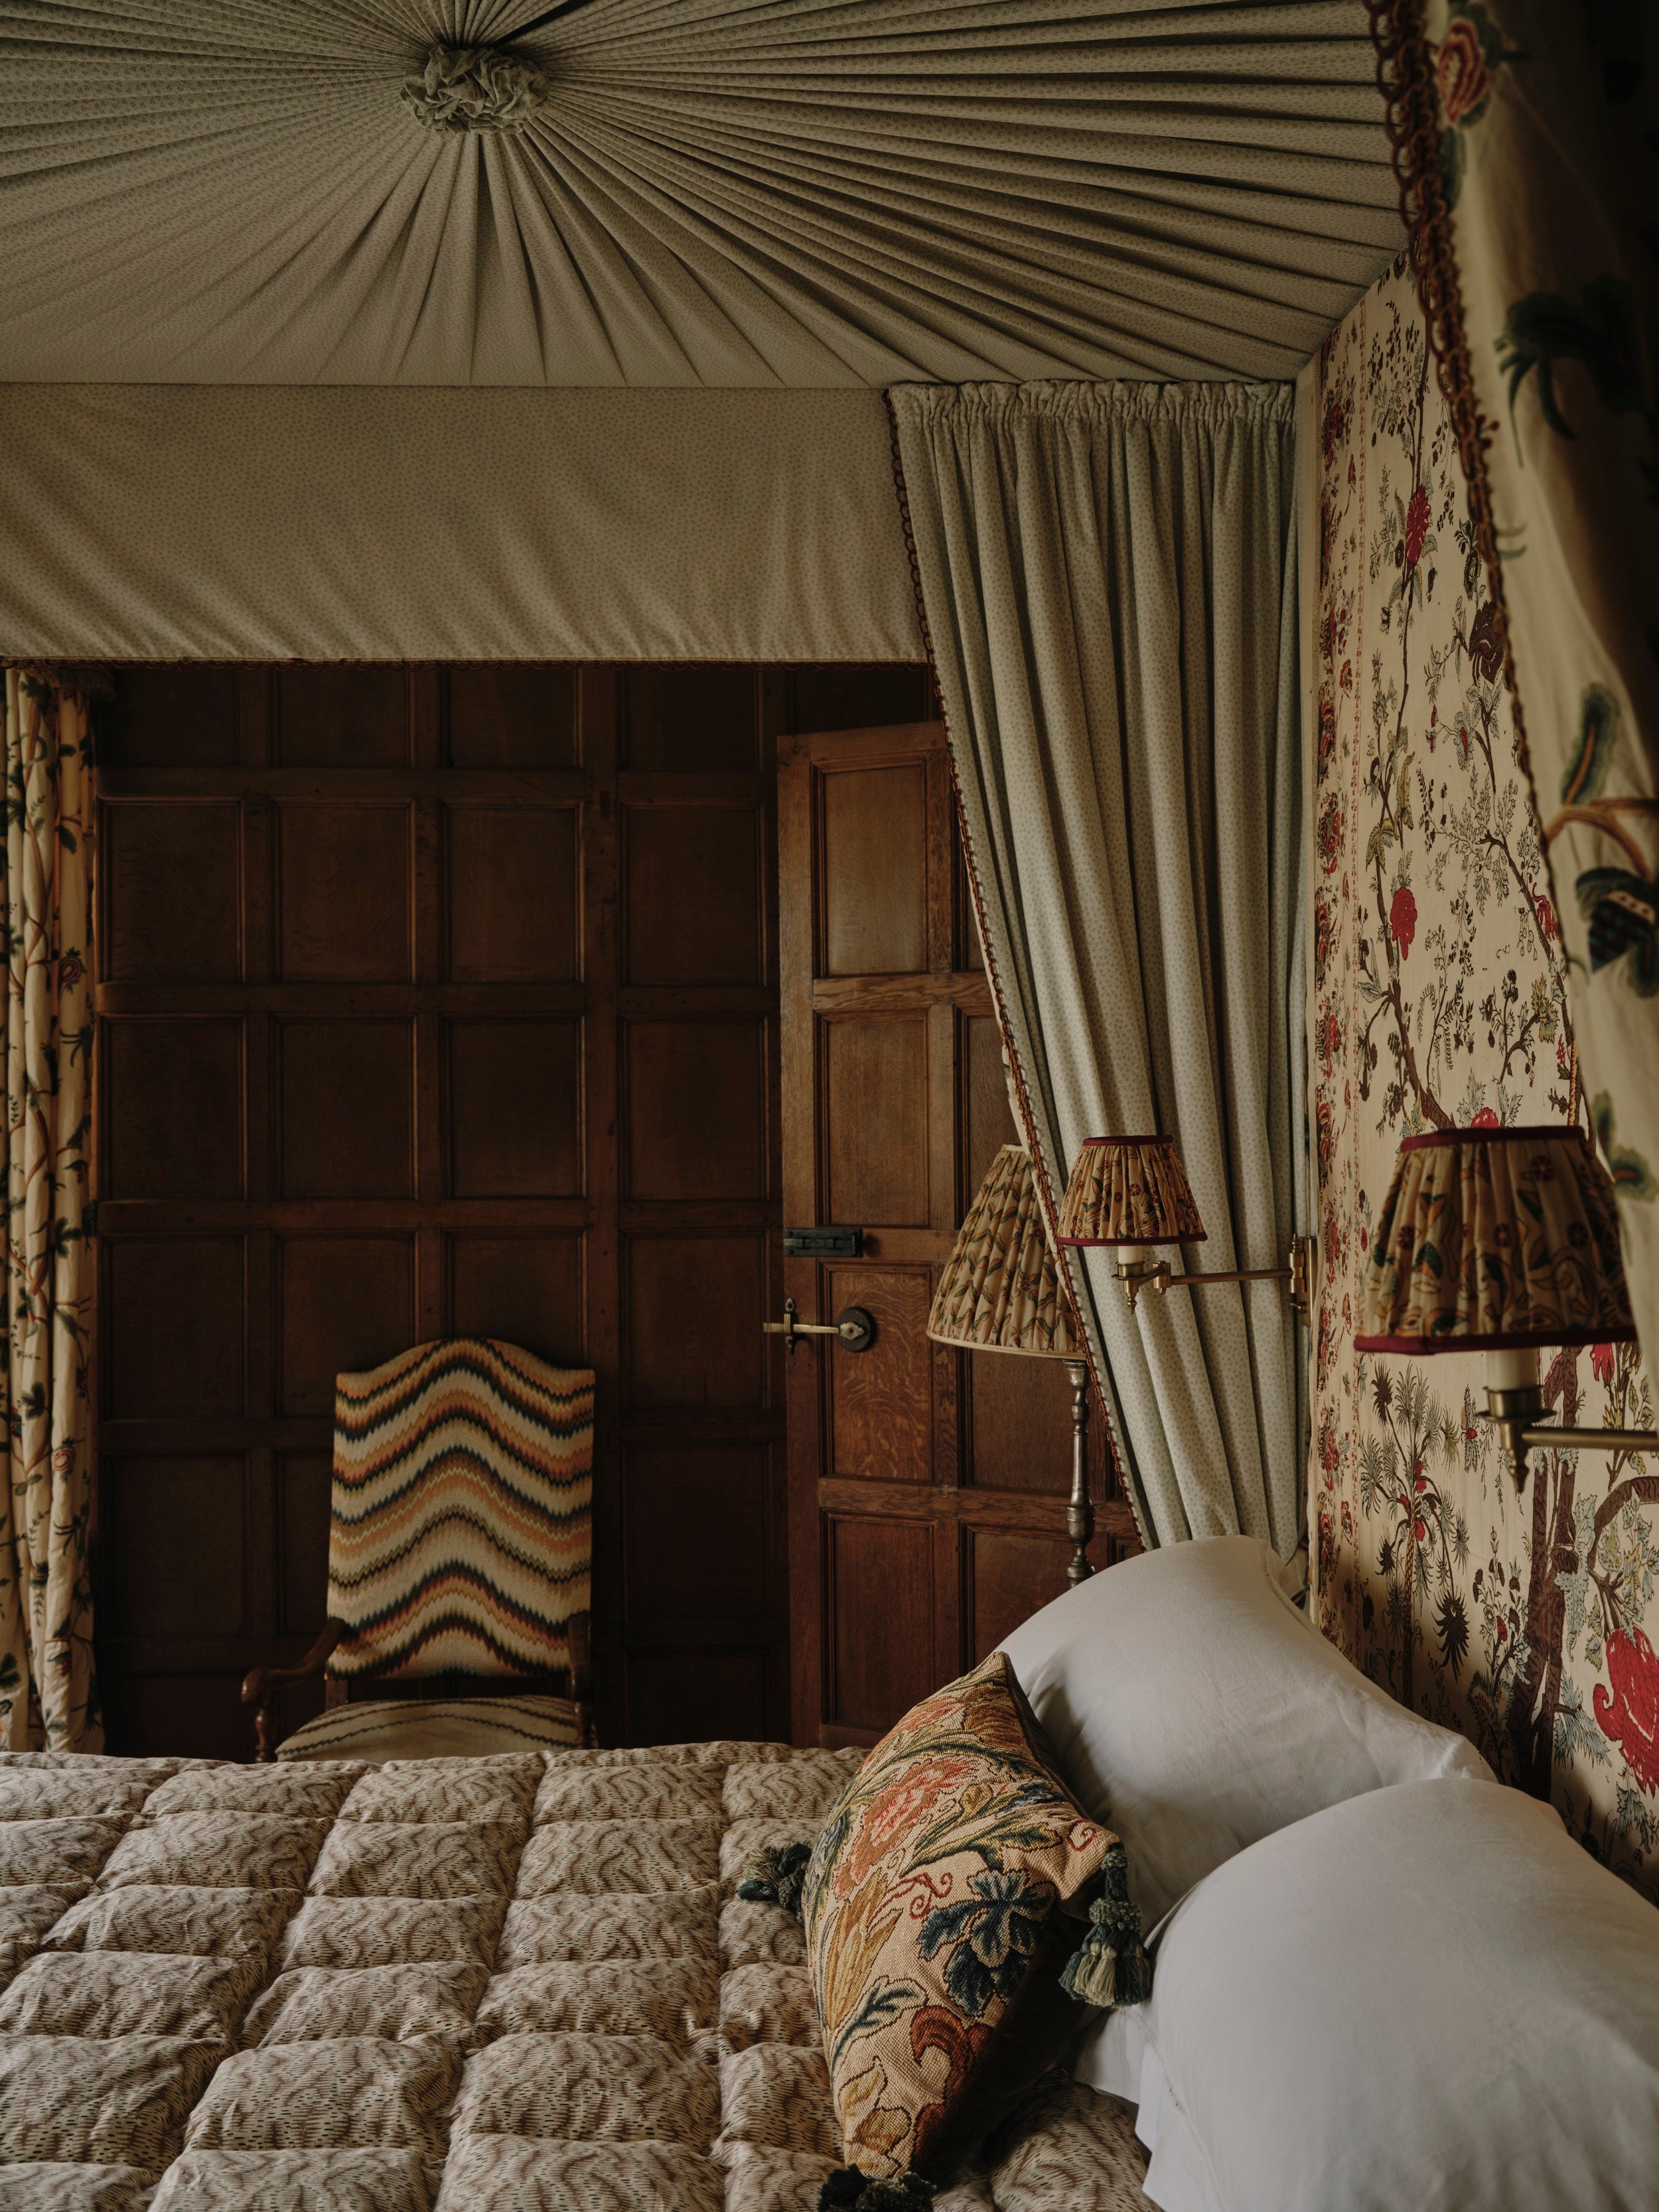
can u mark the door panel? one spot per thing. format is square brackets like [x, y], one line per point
[926, 1489]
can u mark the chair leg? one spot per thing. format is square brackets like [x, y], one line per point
[580, 1631]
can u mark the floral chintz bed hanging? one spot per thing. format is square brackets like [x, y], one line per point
[48, 1686]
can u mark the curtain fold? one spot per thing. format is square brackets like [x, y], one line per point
[1524, 136]
[48, 1685]
[1107, 574]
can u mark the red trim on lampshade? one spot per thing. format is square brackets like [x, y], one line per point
[1127, 1140]
[1142, 1243]
[1527, 1340]
[1529, 1133]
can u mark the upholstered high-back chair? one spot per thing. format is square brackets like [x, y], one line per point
[461, 1544]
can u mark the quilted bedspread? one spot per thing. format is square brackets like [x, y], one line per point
[513, 1984]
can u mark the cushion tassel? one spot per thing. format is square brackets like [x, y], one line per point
[1110, 1966]
[847, 2190]
[776, 1876]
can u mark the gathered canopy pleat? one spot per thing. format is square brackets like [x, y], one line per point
[1109, 576]
[48, 1688]
[808, 193]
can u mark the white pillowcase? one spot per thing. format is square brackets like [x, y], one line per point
[1426, 1997]
[1195, 1710]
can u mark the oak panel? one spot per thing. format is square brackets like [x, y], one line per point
[514, 1093]
[503, 714]
[512, 902]
[342, 715]
[171, 1110]
[173, 1547]
[858, 698]
[172, 887]
[691, 898]
[679, 1696]
[170, 718]
[682, 719]
[347, 1094]
[526, 1291]
[178, 1715]
[881, 1579]
[304, 1487]
[694, 1305]
[172, 1327]
[672, 1499]
[344, 893]
[1013, 1577]
[1019, 1422]
[874, 892]
[696, 1109]
[344, 1303]
[881, 1402]
[875, 1101]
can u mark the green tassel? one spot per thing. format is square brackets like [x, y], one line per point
[1110, 1966]
[847, 2190]
[776, 1876]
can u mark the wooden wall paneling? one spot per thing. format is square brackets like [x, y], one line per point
[440, 999]
[805, 1381]
[503, 714]
[599, 718]
[701, 1423]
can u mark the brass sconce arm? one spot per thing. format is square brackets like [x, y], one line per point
[1519, 1416]
[1137, 1275]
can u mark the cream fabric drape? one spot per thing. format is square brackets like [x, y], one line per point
[1109, 575]
[48, 1691]
[227, 524]
[739, 192]
[1546, 121]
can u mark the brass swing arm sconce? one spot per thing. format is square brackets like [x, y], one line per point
[1132, 1193]
[1490, 1306]
[1518, 1413]
[1138, 1275]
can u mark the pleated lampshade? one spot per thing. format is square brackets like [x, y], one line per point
[1129, 1190]
[1495, 1240]
[1000, 1290]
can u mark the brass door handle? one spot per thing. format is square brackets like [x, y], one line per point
[852, 1327]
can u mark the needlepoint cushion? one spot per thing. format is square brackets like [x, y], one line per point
[945, 1896]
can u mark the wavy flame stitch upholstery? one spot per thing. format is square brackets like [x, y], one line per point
[461, 1536]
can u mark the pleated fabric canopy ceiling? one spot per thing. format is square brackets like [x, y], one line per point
[681, 192]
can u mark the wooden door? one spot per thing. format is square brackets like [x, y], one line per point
[926, 1489]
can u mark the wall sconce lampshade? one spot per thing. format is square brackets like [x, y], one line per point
[1501, 1241]
[1494, 1240]
[1129, 1190]
[1000, 1290]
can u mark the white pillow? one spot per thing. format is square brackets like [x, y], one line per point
[1193, 1709]
[1428, 1997]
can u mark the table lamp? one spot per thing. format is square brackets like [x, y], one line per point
[1000, 1292]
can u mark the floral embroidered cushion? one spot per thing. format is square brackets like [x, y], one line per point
[958, 1906]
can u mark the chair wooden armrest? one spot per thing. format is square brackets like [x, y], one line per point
[580, 1630]
[263, 1683]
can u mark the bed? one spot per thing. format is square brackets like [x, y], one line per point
[522, 1981]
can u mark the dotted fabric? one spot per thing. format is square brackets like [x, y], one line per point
[522, 1984]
